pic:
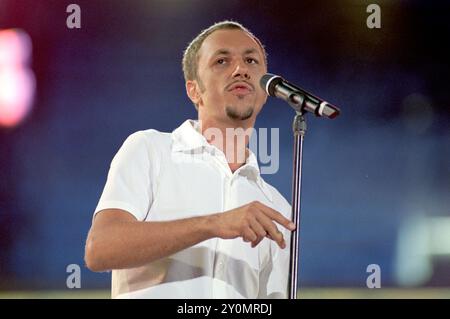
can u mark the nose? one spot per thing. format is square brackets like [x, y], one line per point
[241, 70]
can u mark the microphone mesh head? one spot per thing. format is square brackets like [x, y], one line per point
[268, 82]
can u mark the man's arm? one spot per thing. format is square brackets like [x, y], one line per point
[117, 240]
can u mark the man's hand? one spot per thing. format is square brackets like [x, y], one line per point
[253, 222]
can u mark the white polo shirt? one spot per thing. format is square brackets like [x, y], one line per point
[159, 176]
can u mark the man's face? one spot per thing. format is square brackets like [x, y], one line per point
[230, 66]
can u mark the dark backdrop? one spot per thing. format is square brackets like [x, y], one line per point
[368, 175]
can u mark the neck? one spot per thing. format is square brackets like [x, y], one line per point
[230, 136]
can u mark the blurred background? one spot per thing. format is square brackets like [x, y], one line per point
[376, 182]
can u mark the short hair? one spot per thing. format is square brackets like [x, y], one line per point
[190, 56]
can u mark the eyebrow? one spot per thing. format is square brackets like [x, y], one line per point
[250, 51]
[227, 52]
[221, 51]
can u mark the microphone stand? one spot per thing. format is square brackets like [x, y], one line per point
[299, 131]
[301, 102]
[297, 101]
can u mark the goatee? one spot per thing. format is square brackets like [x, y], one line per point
[236, 115]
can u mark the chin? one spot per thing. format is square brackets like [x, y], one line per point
[240, 113]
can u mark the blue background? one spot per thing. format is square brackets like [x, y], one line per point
[385, 160]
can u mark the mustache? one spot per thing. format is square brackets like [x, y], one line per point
[240, 81]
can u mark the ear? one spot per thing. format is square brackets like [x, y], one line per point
[193, 91]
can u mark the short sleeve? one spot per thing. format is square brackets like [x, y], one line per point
[129, 183]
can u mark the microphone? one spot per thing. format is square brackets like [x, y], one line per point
[299, 99]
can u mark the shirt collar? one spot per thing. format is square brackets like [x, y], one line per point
[188, 138]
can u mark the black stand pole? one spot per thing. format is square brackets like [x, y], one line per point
[302, 102]
[299, 130]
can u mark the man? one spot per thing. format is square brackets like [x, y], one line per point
[173, 224]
